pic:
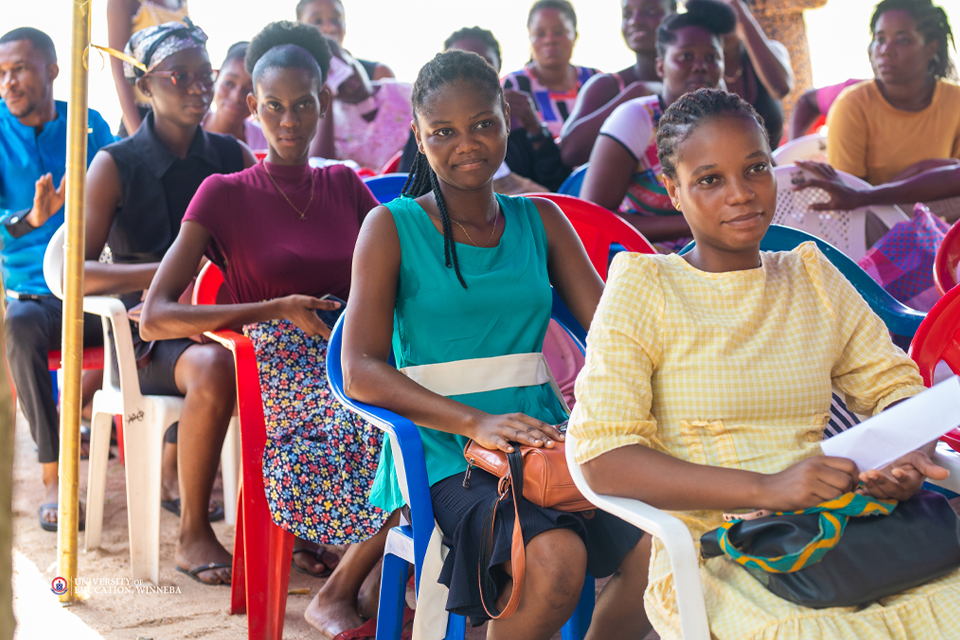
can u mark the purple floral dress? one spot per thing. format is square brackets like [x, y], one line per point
[320, 459]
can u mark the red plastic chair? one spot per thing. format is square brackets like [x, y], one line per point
[947, 261]
[598, 228]
[938, 338]
[262, 551]
[393, 164]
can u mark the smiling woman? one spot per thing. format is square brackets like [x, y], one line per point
[232, 115]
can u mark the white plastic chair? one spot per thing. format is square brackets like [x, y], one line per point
[678, 542]
[843, 229]
[811, 147]
[145, 419]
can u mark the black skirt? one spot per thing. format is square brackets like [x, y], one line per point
[459, 512]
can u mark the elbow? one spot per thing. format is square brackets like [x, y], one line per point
[148, 327]
[570, 153]
[598, 476]
[353, 381]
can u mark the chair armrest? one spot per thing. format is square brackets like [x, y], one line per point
[117, 338]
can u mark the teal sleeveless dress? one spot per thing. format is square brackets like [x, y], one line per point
[504, 310]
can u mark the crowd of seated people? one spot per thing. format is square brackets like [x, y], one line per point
[254, 167]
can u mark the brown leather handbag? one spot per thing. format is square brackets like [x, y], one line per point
[541, 476]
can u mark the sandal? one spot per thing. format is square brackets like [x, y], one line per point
[369, 628]
[193, 573]
[52, 526]
[318, 556]
[173, 506]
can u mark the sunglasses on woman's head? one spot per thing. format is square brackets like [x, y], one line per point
[184, 79]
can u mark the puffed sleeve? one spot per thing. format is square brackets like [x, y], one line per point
[870, 370]
[624, 346]
[847, 134]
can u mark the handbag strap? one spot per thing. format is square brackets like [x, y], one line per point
[511, 484]
[834, 515]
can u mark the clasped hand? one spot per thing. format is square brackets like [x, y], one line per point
[498, 431]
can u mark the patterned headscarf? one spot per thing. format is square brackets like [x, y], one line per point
[151, 46]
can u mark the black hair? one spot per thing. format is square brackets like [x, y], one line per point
[237, 51]
[288, 45]
[446, 68]
[714, 16]
[303, 5]
[563, 6]
[483, 35]
[41, 41]
[932, 23]
[692, 110]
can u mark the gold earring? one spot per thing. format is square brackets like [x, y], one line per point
[677, 205]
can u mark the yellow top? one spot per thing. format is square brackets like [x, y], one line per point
[867, 137]
[150, 14]
[735, 370]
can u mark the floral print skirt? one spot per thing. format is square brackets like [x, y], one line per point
[320, 458]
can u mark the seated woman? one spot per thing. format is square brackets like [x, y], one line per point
[137, 192]
[542, 94]
[436, 274]
[906, 119]
[283, 235]
[369, 121]
[329, 17]
[624, 173]
[708, 382]
[232, 115]
[530, 166]
[604, 92]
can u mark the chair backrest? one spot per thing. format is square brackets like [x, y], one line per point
[938, 337]
[53, 262]
[899, 318]
[393, 164]
[947, 262]
[598, 228]
[845, 230]
[386, 187]
[571, 186]
[810, 147]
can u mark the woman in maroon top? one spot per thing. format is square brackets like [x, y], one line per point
[283, 234]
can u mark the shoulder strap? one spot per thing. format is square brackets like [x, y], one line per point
[511, 484]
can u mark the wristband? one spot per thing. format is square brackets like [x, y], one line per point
[539, 136]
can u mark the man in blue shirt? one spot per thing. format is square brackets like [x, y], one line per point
[33, 148]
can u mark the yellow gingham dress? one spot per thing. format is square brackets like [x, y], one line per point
[736, 370]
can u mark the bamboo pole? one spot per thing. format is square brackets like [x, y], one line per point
[73, 303]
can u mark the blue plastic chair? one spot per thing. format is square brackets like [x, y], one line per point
[571, 186]
[386, 187]
[407, 544]
[899, 318]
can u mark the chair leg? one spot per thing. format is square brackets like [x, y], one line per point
[456, 627]
[576, 627]
[97, 477]
[238, 577]
[393, 588]
[230, 468]
[144, 447]
[281, 555]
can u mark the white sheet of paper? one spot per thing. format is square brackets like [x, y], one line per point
[875, 443]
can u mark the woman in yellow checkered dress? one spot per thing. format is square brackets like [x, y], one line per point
[708, 380]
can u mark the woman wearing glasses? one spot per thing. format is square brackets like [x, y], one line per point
[137, 192]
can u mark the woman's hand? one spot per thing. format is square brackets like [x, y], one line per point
[902, 478]
[523, 109]
[842, 196]
[301, 311]
[807, 484]
[498, 431]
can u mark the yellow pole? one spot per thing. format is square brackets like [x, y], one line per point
[73, 302]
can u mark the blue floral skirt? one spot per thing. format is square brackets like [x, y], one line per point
[320, 459]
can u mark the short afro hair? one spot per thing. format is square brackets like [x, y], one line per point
[483, 35]
[288, 45]
[711, 15]
[41, 41]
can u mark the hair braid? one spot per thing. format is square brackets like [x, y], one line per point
[932, 22]
[692, 110]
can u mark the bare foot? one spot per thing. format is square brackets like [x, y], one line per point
[314, 559]
[368, 600]
[202, 550]
[332, 616]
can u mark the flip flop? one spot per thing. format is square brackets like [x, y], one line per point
[173, 506]
[52, 526]
[369, 628]
[192, 573]
[318, 556]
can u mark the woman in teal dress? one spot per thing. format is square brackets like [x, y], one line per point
[450, 272]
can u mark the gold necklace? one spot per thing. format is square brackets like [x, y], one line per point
[496, 217]
[313, 180]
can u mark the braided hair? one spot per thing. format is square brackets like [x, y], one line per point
[932, 22]
[288, 45]
[692, 110]
[446, 68]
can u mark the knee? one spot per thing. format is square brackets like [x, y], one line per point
[25, 326]
[558, 560]
[213, 373]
